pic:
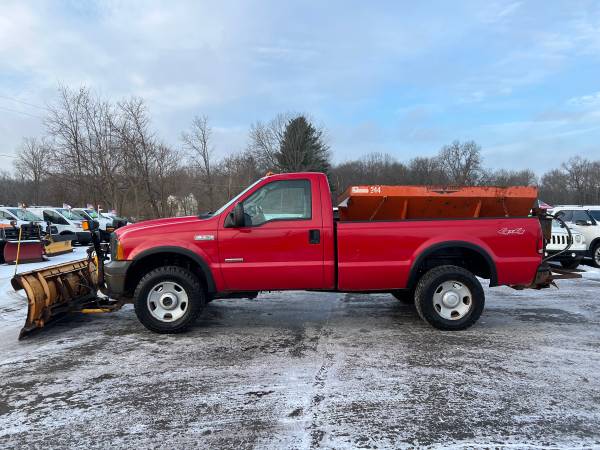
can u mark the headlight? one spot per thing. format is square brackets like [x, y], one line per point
[116, 251]
[578, 238]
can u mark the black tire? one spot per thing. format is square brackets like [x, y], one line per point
[432, 281]
[196, 299]
[596, 255]
[406, 296]
[571, 263]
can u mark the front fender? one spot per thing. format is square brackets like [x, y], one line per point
[195, 253]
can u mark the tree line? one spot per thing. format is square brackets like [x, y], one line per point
[108, 153]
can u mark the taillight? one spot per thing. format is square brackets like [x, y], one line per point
[540, 242]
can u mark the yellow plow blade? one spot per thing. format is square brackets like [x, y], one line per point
[55, 248]
[56, 290]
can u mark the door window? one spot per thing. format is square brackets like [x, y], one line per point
[579, 214]
[5, 216]
[565, 215]
[279, 200]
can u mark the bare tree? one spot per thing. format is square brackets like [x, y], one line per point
[266, 139]
[462, 162]
[138, 143]
[197, 141]
[31, 161]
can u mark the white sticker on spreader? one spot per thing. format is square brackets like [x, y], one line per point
[360, 190]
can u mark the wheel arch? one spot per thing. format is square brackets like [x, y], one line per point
[152, 258]
[443, 252]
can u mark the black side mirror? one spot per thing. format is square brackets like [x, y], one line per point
[584, 223]
[236, 217]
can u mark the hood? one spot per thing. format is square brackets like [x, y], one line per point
[157, 223]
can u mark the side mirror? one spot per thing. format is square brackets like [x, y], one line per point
[236, 219]
[584, 223]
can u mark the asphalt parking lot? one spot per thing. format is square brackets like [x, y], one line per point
[311, 370]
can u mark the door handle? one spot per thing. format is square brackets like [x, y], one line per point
[314, 236]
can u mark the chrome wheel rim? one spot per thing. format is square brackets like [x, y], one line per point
[167, 301]
[597, 255]
[452, 300]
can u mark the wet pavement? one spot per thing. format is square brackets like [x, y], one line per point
[311, 370]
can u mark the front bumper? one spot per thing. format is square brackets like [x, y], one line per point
[566, 256]
[84, 237]
[114, 277]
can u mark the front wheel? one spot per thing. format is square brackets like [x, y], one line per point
[596, 255]
[168, 299]
[449, 298]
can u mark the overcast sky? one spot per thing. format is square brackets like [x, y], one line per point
[402, 77]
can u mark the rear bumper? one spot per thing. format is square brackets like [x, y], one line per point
[114, 277]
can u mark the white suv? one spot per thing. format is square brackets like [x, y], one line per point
[560, 239]
[587, 219]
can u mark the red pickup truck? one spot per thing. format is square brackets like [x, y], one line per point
[281, 234]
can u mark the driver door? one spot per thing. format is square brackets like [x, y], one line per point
[280, 246]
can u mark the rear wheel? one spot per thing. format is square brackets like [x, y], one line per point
[406, 296]
[449, 298]
[168, 299]
[571, 263]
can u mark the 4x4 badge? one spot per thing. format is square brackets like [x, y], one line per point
[511, 231]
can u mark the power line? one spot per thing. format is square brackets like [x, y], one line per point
[24, 102]
[7, 156]
[3, 108]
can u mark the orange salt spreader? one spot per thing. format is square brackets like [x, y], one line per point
[377, 202]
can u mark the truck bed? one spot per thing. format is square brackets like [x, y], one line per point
[380, 255]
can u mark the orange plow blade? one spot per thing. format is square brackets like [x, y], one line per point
[55, 291]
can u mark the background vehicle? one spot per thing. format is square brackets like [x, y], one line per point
[587, 220]
[19, 216]
[118, 221]
[559, 242]
[65, 220]
[105, 223]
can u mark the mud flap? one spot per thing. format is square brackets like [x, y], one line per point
[548, 273]
[55, 291]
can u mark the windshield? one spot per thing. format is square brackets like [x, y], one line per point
[595, 214]
[70, 214]
[235, 199]
[91, 213]
[23, 214]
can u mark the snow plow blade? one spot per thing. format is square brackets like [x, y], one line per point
[55, 291]
[55, 245]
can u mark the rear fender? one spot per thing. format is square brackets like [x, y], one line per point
[428, 248]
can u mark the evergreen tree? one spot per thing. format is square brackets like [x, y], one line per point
[302, 148]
